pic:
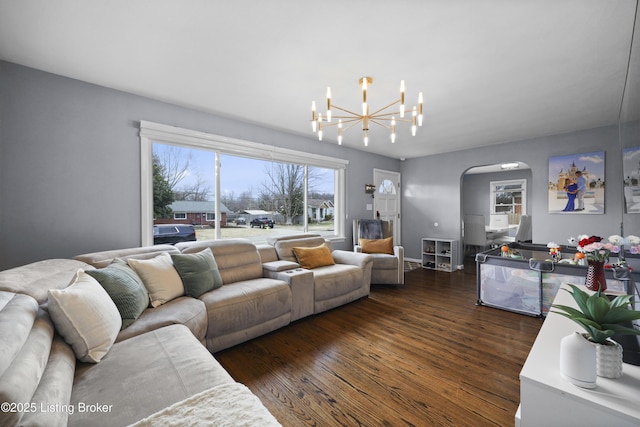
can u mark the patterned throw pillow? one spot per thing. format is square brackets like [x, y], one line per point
[125, 288]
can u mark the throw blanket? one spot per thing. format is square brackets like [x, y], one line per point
[226, 405]
[370, 229]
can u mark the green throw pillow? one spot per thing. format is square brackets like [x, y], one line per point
[125, 288]
[199, 272]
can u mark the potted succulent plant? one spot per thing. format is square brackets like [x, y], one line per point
[602, 319]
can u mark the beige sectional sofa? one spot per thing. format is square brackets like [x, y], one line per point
[157, 366]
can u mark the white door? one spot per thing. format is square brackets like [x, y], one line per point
[386, 201]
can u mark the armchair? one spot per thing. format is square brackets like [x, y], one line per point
[387, 269]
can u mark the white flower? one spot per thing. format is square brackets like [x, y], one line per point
[617, 240]
[633, 240]
[573, 241]
[553, 245]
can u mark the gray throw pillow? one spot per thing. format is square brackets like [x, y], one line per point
[125, 288]
[199, 272]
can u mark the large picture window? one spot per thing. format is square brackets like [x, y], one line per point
[230, 188]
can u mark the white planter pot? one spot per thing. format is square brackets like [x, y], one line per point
[609, 359]
[578, 360]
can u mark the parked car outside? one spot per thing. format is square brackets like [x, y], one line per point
[173, 233]
[262, 222]
[241, 221]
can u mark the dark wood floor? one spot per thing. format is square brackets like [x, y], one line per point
[420, 355]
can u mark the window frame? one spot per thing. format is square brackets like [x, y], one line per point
[523, 188]
[151, 132]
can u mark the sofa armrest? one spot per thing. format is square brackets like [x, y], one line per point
[398, 251]
[302, 292]
[353, 258]
[279, 266]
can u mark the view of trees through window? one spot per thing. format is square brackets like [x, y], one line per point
[257, 197]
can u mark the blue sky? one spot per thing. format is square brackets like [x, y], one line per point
[238, 174]
[594, 163]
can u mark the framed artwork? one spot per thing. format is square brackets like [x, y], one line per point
[576, 183]
[631, 174]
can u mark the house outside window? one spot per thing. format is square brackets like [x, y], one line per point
[179, 215]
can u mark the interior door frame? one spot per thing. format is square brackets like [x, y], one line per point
[395, 177]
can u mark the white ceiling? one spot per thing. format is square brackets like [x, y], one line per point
[491, 71]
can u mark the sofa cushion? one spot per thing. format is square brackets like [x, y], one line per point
[104, 258]
[159, 277]
[186, 311]
[336, 280]
[17, 314]
[385, 262]
[313, 257]
[125, 288]
[143, 375]
[199, 272]
[85, 316]
[237, 259]
[377, 246]
[242, 305]
[54, 388]
[37, 278]
[26, 335]
[284, 247]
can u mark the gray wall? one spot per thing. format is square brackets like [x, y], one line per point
[70, 163]
[432, 191]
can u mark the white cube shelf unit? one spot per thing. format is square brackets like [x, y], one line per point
[439, 254]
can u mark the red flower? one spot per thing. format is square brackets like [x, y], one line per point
[589, 240]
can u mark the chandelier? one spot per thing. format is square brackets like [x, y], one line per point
[380, 117]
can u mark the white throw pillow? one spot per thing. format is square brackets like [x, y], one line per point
[85, 316]
[159, 277]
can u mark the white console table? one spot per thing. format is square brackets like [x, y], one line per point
[548, 400]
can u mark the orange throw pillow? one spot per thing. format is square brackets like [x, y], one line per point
[377, 246]
[317, 256]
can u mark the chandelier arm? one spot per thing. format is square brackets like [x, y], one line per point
[335, 123]
[351, 125]
[385, 107]
[348, 118]
[345, 110]
[380, 124]
[389, 119]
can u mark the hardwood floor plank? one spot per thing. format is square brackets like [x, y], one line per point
[422, 354]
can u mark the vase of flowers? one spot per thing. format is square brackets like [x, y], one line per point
[597, 255]
[595, 279]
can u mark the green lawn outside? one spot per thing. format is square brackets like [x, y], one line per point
[257, 234]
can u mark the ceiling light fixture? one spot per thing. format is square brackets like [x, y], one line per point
[514, 165]
[380, 117]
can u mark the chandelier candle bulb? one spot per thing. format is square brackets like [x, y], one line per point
[393, 129]
[314, 118]
[420, 101]
[319, 126]
[413, 121]
[340, 132]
